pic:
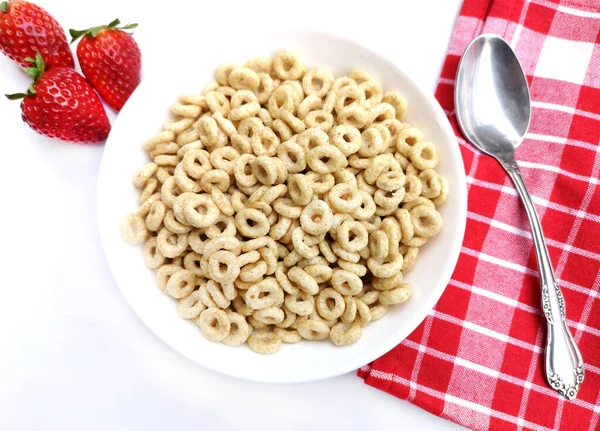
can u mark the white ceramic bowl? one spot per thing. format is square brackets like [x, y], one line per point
[143, 116]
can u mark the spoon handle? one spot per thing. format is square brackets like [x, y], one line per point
[564, 365]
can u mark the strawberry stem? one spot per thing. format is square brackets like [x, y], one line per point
[94, 31]
[36, 71]
[4, 6]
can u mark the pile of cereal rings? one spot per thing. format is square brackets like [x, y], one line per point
[284, 204]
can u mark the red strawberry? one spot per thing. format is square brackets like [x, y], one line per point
[111, 60]
[26, 29]
[61, 104]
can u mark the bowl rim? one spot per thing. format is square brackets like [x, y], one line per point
[429, 302]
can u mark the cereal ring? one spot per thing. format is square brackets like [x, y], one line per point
[286, 65]
[174, 225]
[292, 155]
[317, 82]
[216, 292]
[200, 210]
[282, 130]
[310, 103]
[264, 89]
[313, 330]
[345, 282]
[153, 258]
[352, 235]
[373, 93]
[344, 198]
[196, 162]
[319, 119]
[214, 324]
[303, 249]
[409, 259]
[388, 283]
[191, 306]
[378, 311]
[265, 343]
[426, 221]
[368, 296]
[390, 266]
[349, 96]
[144, 174]
[259, 64]
[223, 71]
[290, 318]
[349, 314]
[380, 113]
[269, 316]
[241, 307]
[341, 82]
[171, 244]
[330, 304]
[265, 142]
[223, 267]
[242, 171]
[191, 262]
[443, 196]
[321, 183]
[407, 137]
[316, 217]
[379, 245]
[239, 331]
[326, 159]
[160, 138]
[284, 281]
[418, 201]
[353, 115]
[264, 169]
[356, 268]
[344, 334]
[350, 256]
[347, 175]
[393, 126]
[367, 207]
[218, 102]
[424, 155]
[228, 243]
[243, 78]
[398, 102]
[396, 296]
[253, 272]
[287, 335]
[184, 182]
[163, 274]
[274, 193]
[320, 272]
[391, 180]
[301, 303]
[155, 216]
[303, 280]
[286, 208]
[346, 138]
[222, 201]
[149, 190]
[263, 294]
[431, 183]
[198, 239]
[244, 104]
[181, 283]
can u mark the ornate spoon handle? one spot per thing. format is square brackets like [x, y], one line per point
[564, 365]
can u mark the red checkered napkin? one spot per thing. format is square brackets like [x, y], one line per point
[477, 359]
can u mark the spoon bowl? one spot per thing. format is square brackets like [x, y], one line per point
[492, 97]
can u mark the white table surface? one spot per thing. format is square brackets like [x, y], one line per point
[72, 353]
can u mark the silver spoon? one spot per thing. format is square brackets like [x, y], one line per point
[492, 107]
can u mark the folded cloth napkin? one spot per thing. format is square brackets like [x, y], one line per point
[477, 359]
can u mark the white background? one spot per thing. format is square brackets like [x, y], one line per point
[72, 353]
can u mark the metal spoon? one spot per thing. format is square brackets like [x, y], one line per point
[493, 110]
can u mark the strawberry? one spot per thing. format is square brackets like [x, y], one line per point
[111, 60]
[26, 28]
[61, 104]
